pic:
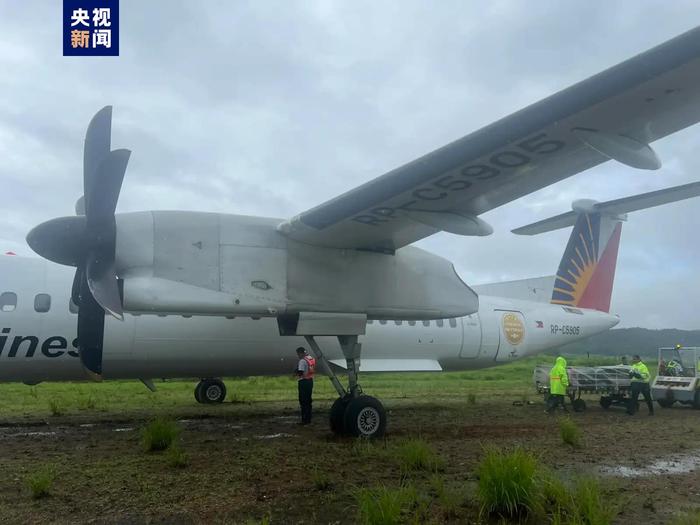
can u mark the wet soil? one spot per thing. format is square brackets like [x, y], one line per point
[253, 462]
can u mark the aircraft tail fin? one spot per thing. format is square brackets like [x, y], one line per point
[587, 269]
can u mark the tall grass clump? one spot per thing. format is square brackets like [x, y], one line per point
[507, 482]
[581, 504]
[56, 407]
[591, 508]
[40, 481]
[417, 454]
[383, 505]
[570, 432]
[159, 434]
[177, 458]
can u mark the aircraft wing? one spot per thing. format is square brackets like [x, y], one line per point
[614, 114]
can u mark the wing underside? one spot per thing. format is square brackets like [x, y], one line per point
[614, 114]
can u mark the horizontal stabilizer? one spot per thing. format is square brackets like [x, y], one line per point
[615, 207]
[393, 365]
[537, 289]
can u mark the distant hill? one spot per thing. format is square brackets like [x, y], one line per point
[628, 341]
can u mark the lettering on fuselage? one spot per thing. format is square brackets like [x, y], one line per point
[27, 345]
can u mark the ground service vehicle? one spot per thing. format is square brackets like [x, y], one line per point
[677, 380]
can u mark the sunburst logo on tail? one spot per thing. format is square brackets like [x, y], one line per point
[579, 262]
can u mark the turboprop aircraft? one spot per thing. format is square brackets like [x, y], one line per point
[183, 290]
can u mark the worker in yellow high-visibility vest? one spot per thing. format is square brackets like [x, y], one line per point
[558, 384]
[639, 373]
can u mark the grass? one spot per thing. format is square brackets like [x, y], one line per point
[321, 480]
[417, 454]
[509, 381]
[176, 457]
[581, 504]
[384, 505]
[159, 434]
[507, 482]
[687, 518]
[56, 407]
[40, 481]
[570, 432]
[449, 500]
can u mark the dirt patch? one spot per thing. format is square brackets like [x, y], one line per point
[251, 461]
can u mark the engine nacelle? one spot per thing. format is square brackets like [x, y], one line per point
[216, 264]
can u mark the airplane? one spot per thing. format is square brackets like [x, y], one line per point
[173, 293]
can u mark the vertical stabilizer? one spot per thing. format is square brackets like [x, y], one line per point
[587, 269]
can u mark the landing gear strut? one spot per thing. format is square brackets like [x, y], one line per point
[210, 391]
[353, 413]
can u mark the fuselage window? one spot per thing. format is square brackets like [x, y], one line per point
[370, 321]
[453, 322]
[426, 323]
[42, 303]
[398, 323]
[440, 323]
[72, 307]
[8, 301]
[383, 321]
[411, 323]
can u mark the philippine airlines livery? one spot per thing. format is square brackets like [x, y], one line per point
[185, 294]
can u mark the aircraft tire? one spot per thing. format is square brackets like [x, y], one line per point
[198, 392]
[337, 416]
[665, 403]
[696, 400]
[365, 417]
[579, 405]
[606, 402]
[212, 391]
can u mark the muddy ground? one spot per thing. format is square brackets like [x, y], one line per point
[251, 462]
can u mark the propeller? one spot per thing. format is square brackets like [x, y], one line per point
[88, 240]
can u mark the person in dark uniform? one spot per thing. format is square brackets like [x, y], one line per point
[305, 382]
[639, 373]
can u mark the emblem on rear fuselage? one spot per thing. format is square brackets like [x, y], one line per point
[513, 328]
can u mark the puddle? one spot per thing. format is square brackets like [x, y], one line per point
[87, 425]
[235, 427]
[275, 436]
[679, 465]
[27, 434]
[124, 429]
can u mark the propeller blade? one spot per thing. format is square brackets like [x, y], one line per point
[60, 240]
[97, 145]
[103, 284]
[102, 202]
[91, 327]
[75, 289]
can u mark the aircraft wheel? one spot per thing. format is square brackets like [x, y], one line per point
[198, 392]
[606, 402]
[365, 417]
[579, 405]
[696, 400]
[211, 391]
[337, 415]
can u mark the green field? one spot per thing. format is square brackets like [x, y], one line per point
[76, 453]
[513, 380]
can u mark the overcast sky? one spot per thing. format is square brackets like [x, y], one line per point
[269, 108]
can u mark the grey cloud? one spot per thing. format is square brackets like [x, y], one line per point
[269, 108]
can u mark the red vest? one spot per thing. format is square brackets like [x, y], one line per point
[309, 374]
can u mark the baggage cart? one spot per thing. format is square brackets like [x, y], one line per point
[612, 383]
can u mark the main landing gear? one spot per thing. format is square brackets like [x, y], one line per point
[210, 391]
[353, 413]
